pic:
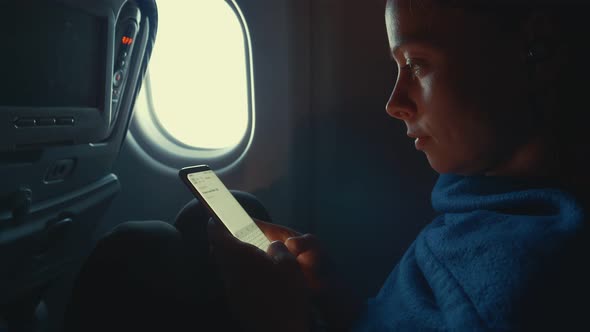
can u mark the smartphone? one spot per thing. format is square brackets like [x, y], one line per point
[222, 205]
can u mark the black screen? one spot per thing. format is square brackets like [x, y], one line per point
[53, 55]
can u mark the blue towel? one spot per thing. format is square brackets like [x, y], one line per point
[469, 270]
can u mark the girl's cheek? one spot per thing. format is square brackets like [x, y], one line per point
[428, 88]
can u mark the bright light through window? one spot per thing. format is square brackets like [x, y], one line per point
[198, 73]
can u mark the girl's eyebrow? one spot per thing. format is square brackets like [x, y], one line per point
[409, 43]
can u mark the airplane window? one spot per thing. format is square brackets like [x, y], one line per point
[198, 83]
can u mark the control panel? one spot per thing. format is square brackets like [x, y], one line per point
[43, 122]
[126, 32]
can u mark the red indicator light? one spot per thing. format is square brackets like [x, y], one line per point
[127, 40]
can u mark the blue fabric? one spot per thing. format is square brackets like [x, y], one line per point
[469, 269]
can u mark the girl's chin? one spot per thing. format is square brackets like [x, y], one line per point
[440, 165]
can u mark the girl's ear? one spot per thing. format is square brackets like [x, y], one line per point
[543, 50]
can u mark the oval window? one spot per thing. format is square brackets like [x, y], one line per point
[198, 74]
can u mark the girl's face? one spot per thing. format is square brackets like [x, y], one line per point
[461, 88]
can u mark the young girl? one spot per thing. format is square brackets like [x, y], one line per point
[490, 91]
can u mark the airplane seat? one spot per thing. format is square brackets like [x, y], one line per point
[70, 72]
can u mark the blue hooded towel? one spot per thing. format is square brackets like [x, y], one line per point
[472, 268]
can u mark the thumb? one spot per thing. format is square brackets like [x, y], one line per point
[282, 257]
[286, 264]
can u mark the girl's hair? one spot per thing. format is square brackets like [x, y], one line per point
[569, 118]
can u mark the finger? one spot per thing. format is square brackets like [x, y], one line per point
[300, 244]
[286, 264]
[282, 257]
[275, 232]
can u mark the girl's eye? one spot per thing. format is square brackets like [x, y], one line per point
[414, 68]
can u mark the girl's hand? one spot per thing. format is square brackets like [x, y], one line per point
[265, 291]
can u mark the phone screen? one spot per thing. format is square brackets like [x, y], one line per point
[227, 209]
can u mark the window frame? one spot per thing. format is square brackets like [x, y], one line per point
[162, 147]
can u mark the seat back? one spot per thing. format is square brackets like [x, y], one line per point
[56, 155]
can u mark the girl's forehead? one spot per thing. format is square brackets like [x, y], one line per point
[412, 5]
[410, 21]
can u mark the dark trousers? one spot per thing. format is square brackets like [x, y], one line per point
[153, 276]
